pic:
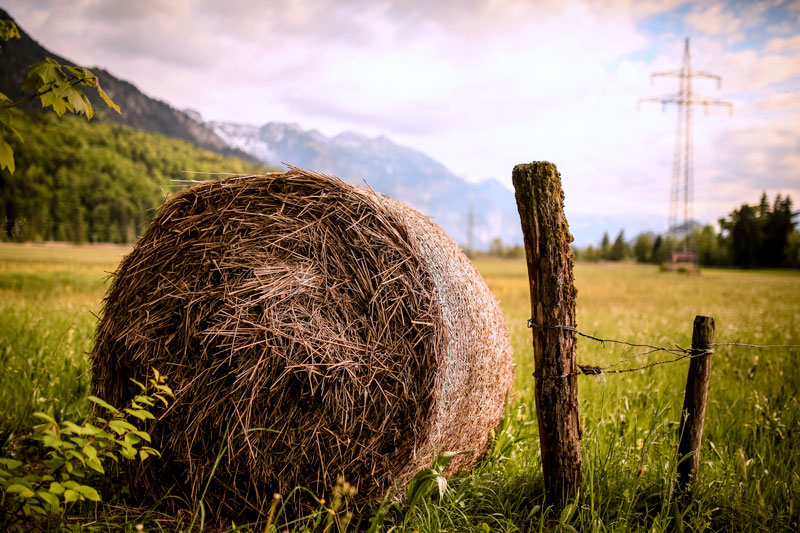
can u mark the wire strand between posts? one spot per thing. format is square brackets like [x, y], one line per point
[680, 352]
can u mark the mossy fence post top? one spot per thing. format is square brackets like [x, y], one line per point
[540, 202]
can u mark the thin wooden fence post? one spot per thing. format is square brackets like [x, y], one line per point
[540, 202]
[694, 402]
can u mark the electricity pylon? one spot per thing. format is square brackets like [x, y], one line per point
[682, 188]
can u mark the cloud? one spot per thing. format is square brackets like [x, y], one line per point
[715, 19]
[781, 45]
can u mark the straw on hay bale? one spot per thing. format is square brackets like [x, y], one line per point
[315, 327]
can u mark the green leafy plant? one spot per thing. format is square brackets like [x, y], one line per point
[55, 85]
[43, 489]
[425, 483]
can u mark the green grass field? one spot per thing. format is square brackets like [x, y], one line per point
[750, 467]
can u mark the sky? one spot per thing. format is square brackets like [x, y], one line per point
[480, 85]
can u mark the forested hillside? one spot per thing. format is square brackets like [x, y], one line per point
[94, 182]
[138, 110]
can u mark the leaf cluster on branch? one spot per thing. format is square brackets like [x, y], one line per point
[55, 85]
[42, 489]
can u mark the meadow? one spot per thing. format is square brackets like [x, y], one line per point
[750, 463]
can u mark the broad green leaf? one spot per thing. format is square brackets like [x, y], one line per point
[76, 98]
[45, 417]
[132, 439]
[42, 73]
[151, 451]
[71, 496]
[54, 463]
[11, 464]
[109, 102]
[87, 429]
[89, 451]
[104, 435]
[163, 400]
[141, 414]
[52, 442]
[79, 442]
[22, 490]
[32, 508]
[7, 120]
[103, 403]
[47, 497]
[143, 435]
[128, 453]
[59, 105]
[83, 74]
[75, 455]
[56, 488]
[95, 464]
[166, 390]
[144, 399]
[88, 105]
[121, 426]
[88, 492]
[6, 156]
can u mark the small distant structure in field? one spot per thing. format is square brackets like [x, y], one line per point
[684, 261]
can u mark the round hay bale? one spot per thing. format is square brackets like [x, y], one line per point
[314, 327]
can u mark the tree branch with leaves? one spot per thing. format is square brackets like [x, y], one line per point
[55, 85]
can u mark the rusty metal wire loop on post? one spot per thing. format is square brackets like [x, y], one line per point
[681, 353]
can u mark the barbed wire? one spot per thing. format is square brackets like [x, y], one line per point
[756, 345]
[680, 352]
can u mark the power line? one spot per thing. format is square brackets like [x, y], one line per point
[681, 353]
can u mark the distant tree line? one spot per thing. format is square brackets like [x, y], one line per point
[93, 182]
[497, 248]
[752, 236]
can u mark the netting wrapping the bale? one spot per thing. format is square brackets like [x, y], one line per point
[316, 328]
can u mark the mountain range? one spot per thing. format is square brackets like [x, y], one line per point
[397, 171]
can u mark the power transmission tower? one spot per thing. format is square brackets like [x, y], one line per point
[681, 201]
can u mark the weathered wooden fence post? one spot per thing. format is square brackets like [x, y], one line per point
[540, 202]
[694, 401]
